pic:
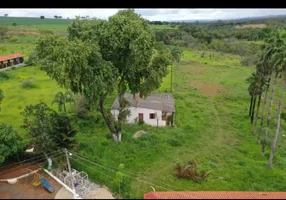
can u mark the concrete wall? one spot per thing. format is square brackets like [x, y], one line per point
[146, 116]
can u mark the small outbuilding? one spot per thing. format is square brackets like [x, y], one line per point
[10, 60]
[154, 110]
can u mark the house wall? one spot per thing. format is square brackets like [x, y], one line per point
[146, 117]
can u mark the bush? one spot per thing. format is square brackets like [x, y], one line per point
[190, 172]
[46, 31]
[31, 60]
[141, 122]
[14, 24]
[27, 84]
[4, 76]
[249, 61]
[13, 39]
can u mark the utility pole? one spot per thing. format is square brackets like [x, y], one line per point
[69, 166]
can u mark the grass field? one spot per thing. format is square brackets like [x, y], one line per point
[212, 127]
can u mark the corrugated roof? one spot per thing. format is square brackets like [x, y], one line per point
[215, 195]
[164, 102]
[9, 57]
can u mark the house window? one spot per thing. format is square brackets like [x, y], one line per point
[152, 115]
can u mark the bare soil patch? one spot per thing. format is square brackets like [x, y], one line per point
[24, 189]
[23, 32]
[210, 89]
[17, 170]
[252, 26]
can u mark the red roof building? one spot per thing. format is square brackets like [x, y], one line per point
[215, 195]
[10, 60]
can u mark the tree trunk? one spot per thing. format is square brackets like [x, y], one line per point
[117, 137]
[263, 110]
[49, 162]
[274, 143]
[251, 101]
[253, 109]
[107, 119]
[257, 113]
[269, 115]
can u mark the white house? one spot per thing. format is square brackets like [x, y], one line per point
[155, 110]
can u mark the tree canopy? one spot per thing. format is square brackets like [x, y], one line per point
[47, 129]
[10, 142]
[103, 57]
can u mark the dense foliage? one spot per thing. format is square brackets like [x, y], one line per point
[47, 129]
[100, 57]
[10, 142]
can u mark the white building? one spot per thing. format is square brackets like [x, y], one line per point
[155, 110]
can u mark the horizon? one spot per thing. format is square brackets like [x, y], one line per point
[150, 14]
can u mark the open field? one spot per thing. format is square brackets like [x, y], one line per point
[212, 127]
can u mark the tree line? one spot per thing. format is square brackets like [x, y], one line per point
[270, 66]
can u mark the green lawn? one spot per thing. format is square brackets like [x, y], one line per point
[212, 127]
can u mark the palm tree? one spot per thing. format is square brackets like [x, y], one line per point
[61, 99]
[252, 89]
[260, 68]
[274, 59]
[280, 56]
[274, 143]
[176, 53]
[268, 51]
[264, 108]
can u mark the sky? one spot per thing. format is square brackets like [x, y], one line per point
[150, 14]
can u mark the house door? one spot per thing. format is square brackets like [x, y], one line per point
[140, 116]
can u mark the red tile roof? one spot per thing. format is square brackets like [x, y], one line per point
[215, 195]
[9, 57]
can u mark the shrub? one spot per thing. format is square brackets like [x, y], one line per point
[31, 60]
[190, 172]
[249, 61]
[141, 122]
[4, 76]
[46, 31]
[14, 24]
[27, 84]
[13, 39]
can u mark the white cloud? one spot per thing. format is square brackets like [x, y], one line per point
[150, 14]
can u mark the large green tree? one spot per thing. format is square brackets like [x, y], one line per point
[47, 129]
[10, 142]
[103, 57]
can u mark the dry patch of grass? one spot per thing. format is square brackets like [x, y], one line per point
[23, 33]
[191, 67]
[252, 26]
[209, 89]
